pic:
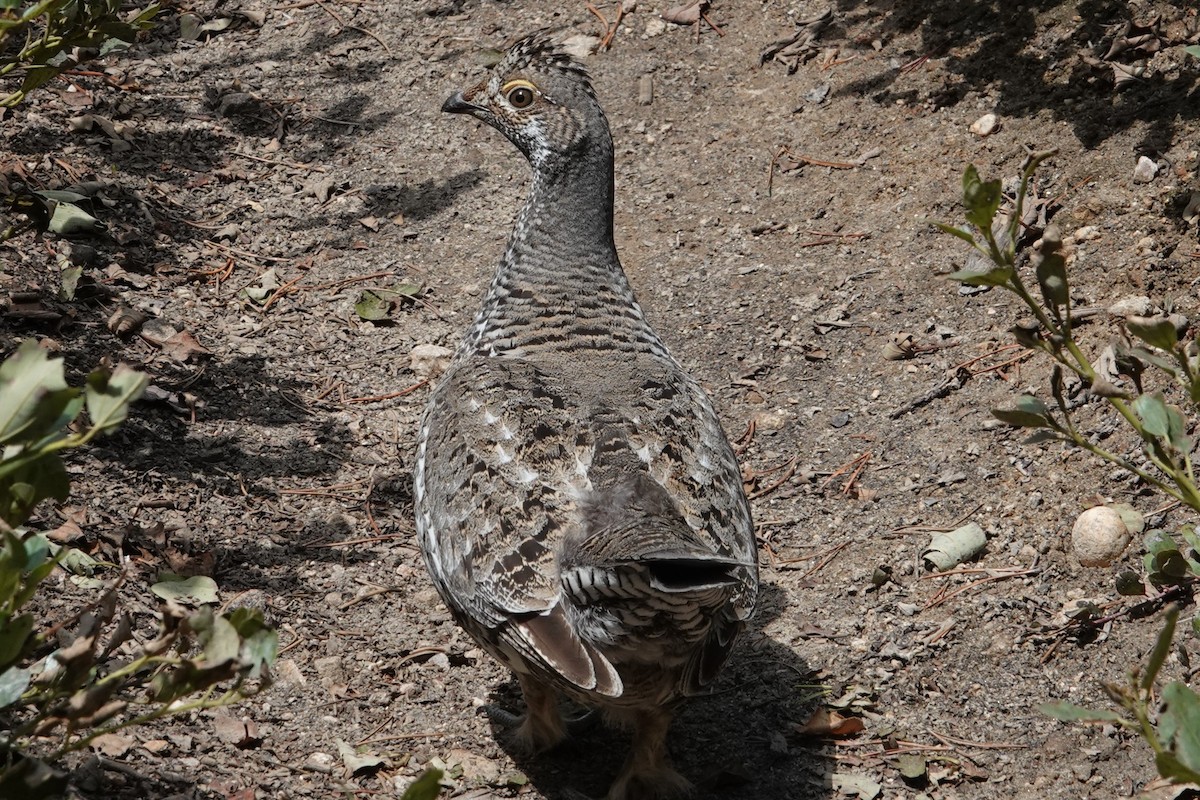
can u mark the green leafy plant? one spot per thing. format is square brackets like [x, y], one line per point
[1153, 348]
[1168, 720]
[56, 32]
[65, 684]
[1150, 342]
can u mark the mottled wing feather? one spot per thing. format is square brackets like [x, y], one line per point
[510, 448]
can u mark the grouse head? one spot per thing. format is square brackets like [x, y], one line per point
[541, 99]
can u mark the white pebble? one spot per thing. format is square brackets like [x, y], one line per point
[1099, 537]
[985, 125]
[1145, 170]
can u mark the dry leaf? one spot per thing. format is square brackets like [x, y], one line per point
[183, 346]
[686, 14]
[113, 745]
[824, 722]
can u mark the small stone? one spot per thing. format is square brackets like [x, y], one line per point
[319, 762]
[1145, 170]
[287, 673]
[581, 45]
[1136, 305]
[985, 125]
[330, 670]
[430, 360]
[655, 27]
[1086, 234]
[1099, 536]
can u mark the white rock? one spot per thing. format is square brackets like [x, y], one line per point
[1086, 233]
[1145, 170]
[655, 27]
[1135, 305]
[985, 125]
[430, 360]
[581, 45]
[1099, 536]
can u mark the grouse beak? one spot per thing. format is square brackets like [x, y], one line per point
[457, 104]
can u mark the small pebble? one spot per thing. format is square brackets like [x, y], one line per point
[1145, 170]
[985, 125]
[1137, 305]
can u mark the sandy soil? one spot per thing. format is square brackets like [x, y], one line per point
[305, 140]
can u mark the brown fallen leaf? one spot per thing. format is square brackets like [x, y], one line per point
[113, 745]
[241, 733]
[183, 346]
[824, 722]
[125, 321]
[686, 14]
[66, 533]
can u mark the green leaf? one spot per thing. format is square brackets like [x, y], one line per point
[259, 651]
[193, 591]
[1171, 565]
[1179, 724]
[981, 198]
[1157, 541]
[1155, 331]
[1158, 655]
[1192, 50]
[221, 642]
[71, 220]
[1030, 413]
[1134, 521]
[26, 482]
[371, 306]
[13, 683]
[1052, 279]
[997, 276]
[77, 562]
[109, 396]
[1153, 412]
[1044, 435]
[1130, 585]
[426, 787]
[70, 281]
[14, 635]
[28, 380]
[1020, 418]
[1177, 430]
[1171, 768]
[1031, 404]
[1189, 535]
[966, 236]
[1069, 712]
[1155, 358]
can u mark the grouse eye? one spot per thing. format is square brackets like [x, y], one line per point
[519, 94]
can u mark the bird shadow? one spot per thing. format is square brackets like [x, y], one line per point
[732, 743]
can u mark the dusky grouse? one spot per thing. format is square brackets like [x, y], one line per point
[578, 504]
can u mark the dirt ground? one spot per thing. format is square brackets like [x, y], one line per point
[300, 152]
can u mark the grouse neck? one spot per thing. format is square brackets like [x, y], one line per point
[560, 285]
[568, 217]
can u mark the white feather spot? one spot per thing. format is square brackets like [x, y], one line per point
[644, 453]
[526, 475]
[503, 454]
[489, 418]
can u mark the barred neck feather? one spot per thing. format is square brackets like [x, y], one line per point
[560, 285]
